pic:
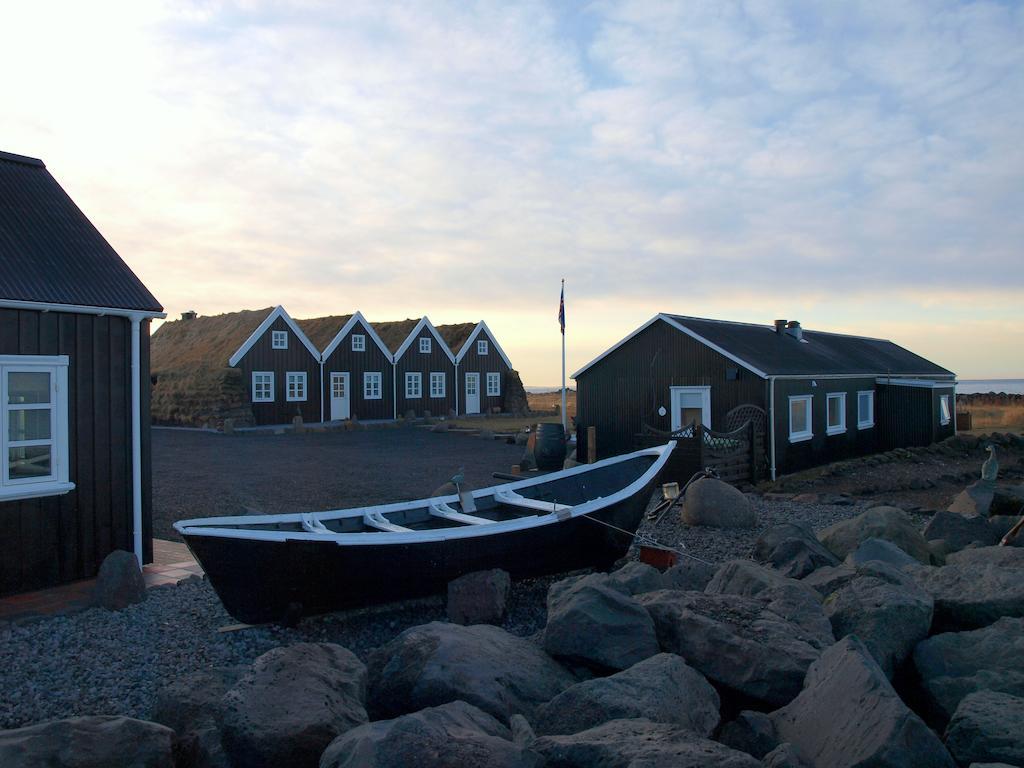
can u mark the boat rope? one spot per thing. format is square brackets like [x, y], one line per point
[642, 538]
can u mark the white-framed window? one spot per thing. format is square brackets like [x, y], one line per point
[944, 413]
[358, 342]
[835, 407]
[263, 386]
[279, 339]
[425, 345]
[800, 426]
[437, 385]
[865, 409]
[414, 384]
[481, 347]
[493, 384]
[296, 389]
[372, 385]
[34, 426]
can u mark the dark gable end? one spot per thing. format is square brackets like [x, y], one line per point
[51, 253]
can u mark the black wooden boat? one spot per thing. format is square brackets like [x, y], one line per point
[276, 567]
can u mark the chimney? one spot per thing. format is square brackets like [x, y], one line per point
[793, 329]
[190, 315]
[780, 326]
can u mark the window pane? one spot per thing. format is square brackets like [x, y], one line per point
[28, 387]
[30, 461]
[798, 416]
[29, 424]
[835, 412]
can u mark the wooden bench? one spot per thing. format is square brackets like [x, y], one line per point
[446, 512]
[378, 521]
[513, 499]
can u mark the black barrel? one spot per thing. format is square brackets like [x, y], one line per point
[549, 451]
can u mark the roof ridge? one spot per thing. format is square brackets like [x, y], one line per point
[23, 159]
[770, 328]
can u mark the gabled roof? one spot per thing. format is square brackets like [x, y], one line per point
[415, 332]
[455, 335]
[51, 253]
[761, 350]
[206, 341]
[468, 343]
[278, 312]
[321, 330]
[348, 326]
[394, 332]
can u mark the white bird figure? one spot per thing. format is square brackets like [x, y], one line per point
[990, 469]
[457, 479]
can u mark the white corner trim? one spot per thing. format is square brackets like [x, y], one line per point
[277, 312]
[614, 347]
[472, 338]
[345, 329]
[423, 323]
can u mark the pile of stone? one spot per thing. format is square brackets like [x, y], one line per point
[867, 642]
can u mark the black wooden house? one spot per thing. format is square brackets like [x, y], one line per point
[75, 480]
[795, 398]
[358, 373]
[482, 368]
[424, 373]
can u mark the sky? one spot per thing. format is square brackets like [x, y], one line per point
[857, 166]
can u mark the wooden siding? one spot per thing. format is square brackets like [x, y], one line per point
[483, 364]
[56, 539]
[343, 360]
[622, 392]
[910, 415]
[435, 361]
[262, 357]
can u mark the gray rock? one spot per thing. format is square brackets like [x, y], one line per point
[1001, 525]
[713, 502]
[736, 642]
[849, 715]
[191, 706]
[640, 744]
[827, 580]
[959, 531]
[890, 615]
[480, 597]
[968, 596]
[119, 582]
[635, 578]
[955, 664]
[433, 664]
[1007, 500]
[988, 726]
[975, 499]
[793, 550]
[1008, 557]
[594, 624]
[784, 756]
[291, 704]
[522, 731]
[888, 523]
[453, 735]
[751, 732]
[662, 689]
[88, 742]
[879, 550]
[689, 574]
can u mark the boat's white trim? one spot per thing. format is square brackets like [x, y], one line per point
[208, 526]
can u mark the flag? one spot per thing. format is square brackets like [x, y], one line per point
[561, 309]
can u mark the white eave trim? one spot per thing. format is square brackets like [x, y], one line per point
[922, 383]
[472, 338]
[345, 329]
[80, 309]
[423, 323]
[277, 312]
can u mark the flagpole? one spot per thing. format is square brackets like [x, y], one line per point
[565, 417]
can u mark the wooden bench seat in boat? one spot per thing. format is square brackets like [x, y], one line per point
[513, 499]
[445, 512]
[378, 521]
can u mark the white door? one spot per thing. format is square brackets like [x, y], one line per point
[689, 405]
[340, 398]
[472, 393]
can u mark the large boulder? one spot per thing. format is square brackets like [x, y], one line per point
[1007, 500]
[960, 531]
[988, 726]
[827, 580]
[453, 735]
[119, 582]
[191, 706]
[715, 503]
[291, 704]
[972, 595]
[592, 623]
[689, 574]
[88, 742]
[890, 615]
[785, 755]
[662, 689]
[888, 523]
[1008, 557]
[635, 578]
[849, 715]
[751, 732]
[879, 551]
[954, 664]
[436, 663]
[792, 549]
[641, 744]
[480, 597]
[736, 642]
[975, 499]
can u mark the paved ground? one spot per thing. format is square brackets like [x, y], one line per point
[199, 474]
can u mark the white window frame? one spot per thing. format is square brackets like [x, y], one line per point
[57, 482]
[807, 434]
[437, 384]
[297, 378]
[425, 345]
[482, 347]
[675, 398]
[945, 413]
[839, 428]
[358, 342]
[495, 379]
[413, 385]
[373, 385]
[270, 377]
[279, 339]
[866, 422]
